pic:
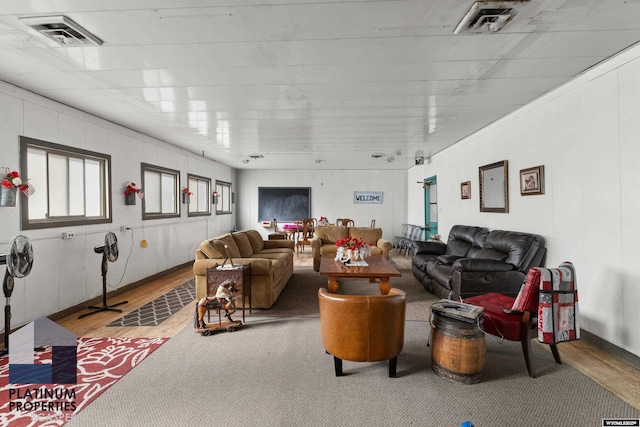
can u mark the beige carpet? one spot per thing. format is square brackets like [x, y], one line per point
[273, 371]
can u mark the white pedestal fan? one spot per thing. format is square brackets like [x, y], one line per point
[109, 253]
[19, 261]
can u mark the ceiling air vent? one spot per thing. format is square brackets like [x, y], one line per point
[61, 30]
[489, 16]
[256, 156]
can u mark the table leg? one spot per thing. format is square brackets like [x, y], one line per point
[332, 285]
[384, 285]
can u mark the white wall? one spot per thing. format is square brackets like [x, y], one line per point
[587, 135]
[67, 272]
[331, 196]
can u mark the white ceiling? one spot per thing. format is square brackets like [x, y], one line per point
[308, 84]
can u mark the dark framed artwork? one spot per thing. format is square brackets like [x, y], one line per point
[494, 187]
[532, 181]
[465, 190]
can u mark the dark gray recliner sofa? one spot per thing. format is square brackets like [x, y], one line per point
[477, 261]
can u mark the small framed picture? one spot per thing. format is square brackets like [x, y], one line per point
[532, 181]
[465, 190]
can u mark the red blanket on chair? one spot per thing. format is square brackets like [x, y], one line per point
[558, 306]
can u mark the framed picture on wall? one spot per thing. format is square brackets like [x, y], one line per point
[465, 190]
[532, 181]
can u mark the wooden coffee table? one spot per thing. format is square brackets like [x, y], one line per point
[378, 269]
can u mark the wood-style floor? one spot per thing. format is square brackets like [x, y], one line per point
[616, 375]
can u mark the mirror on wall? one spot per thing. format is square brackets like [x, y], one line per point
[494, 187]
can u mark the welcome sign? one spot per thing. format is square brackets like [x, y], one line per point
[367, 197]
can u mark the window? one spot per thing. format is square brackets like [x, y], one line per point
[72, 186]
[161, 187]
[224, 197]
[199, 202]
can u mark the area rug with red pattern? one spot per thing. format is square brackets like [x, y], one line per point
[101, 362]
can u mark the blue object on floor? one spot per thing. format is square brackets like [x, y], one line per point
[467, 424]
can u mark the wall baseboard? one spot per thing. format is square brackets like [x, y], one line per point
[609, 348]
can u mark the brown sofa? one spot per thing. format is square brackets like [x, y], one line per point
[271, 263]
[324, 242]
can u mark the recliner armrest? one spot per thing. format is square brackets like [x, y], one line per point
[448, 259]
[481, 265]
[430, 248]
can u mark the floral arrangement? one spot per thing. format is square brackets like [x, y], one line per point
[131, 189]
[186, 191]
[13, 180]
[351, 243]
[352, 249]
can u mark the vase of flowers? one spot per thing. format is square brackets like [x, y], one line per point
[9, 189]
[186, 195]
[130, 192]
[351, 249]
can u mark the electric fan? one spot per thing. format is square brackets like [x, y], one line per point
[19, 261]
[109, 253]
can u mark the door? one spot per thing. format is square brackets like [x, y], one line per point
[430, 206]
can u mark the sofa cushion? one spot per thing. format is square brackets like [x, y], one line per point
[441, 274]
[255, 238]
[331, 234]
[463, 237]
[515, 244]
[244, 246]
[227, 246]
[208, 248]
[497, 321]
[368, 234]
[488, 253]
[448, 259]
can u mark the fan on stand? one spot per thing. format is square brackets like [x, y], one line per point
[19, 261]
[109, 253]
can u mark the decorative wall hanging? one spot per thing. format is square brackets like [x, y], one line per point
[465, 190]
[367, 197]
[186, 195]
[10, 186]
[130, 192]
[532, 181]
[494, 187]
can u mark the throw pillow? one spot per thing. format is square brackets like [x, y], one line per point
[207, 247]
[244, 246]
[368, 234]
[231, 250]
[255, 238]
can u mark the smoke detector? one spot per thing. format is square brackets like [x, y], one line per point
[62, 30]
[489, 16]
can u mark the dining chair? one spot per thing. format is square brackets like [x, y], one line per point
[305, 232]
[345, 222]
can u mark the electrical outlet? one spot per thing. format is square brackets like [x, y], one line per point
[124, 228]
[68, 235]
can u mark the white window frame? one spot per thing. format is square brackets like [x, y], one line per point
[44, 187]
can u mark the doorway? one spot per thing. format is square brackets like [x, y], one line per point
[430, 187]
